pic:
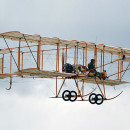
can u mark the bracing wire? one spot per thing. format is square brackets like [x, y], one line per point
[11, 53]
[31, 52]
[125, 71]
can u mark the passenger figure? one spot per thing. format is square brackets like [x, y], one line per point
[93, 72]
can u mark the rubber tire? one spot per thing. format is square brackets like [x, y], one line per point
[72, 100]
[90, 98]
[63, 95]
[97, 99]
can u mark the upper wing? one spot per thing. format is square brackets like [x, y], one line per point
[16, 35]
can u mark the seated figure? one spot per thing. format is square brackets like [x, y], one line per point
[93, 72]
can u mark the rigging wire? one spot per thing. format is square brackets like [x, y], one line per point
[11, 53]
[125, 71]
[31, 52]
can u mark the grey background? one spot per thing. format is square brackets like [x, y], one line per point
[27, 106]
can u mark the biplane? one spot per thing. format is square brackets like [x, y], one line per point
[23, 55]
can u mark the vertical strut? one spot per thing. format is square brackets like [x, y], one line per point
[19, 54]
[57, 58]
[75, 56]
[86, 57]
[58, 53]
[104, 89]
[3, 64]
[95, 56]
[62, 59]
[83, 56]
[121, 65]
[66, 58]
[111, 57]
[101, 62]
[10, 72]
[22, 60]
[56, 86]
[38, 54]
[42, 60]
[77, 60]
[118, 68]
[103, 57]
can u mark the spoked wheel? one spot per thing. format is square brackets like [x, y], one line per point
[66, 95]
[73, 96]
[93, 98]
[99, 99]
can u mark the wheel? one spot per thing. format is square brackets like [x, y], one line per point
[99, 99]
[92, 98]
[73, 96]
[66, 95]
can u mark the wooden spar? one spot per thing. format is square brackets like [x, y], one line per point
[111, 57]
[22, 60]
[38, 54]
[121, 65]
[77, 60]
[103, 56]
[56, 61]
[3, 64]
[101, 62]
[118, 68]
[58, 56]
[95, 55]
[42, 60]
[104, 89]
[10, 63]
[19, 54]
[83, 56]
[86, 56]
[56, 86]
[62, 59]
[75, 56]
[66, 58]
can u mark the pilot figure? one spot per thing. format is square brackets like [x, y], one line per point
[93, 71]
[91, 66]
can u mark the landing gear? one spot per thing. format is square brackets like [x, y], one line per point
[96, 98]
[69, 95]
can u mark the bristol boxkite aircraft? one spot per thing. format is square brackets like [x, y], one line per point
[23, 55]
